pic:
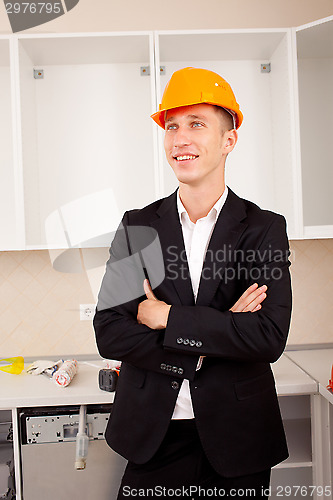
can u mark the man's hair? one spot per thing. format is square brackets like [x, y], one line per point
[227, 121]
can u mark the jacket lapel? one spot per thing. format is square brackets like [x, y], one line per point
[171, 238]
[227, 232]
[228, 229]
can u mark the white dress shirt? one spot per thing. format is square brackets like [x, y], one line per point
[196, 239]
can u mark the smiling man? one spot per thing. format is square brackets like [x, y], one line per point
[196, 411]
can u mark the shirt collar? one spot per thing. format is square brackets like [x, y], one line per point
[214, 211]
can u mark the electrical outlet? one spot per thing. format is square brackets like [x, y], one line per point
[87, 311]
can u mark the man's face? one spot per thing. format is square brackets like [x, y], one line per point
[195, 145]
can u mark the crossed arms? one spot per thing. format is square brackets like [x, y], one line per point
[154, 313]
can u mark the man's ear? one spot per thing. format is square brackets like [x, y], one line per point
[230, 138]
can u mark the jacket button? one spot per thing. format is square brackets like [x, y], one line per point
[174, 369]
[192, 342]
[186, 341]
[199, 343]
[180, 371]
[163, 366]
[174, 384]
[168, 367]
[179, 340]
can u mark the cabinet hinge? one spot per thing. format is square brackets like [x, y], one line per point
[266, 68]
[38, 74]
[145, 70]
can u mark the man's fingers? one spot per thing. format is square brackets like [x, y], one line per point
[249, 290]
[254, 298]
[241, 302]
[254, 304]
[250, 299]
[148, 291]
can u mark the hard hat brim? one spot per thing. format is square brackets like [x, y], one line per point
[158, 117]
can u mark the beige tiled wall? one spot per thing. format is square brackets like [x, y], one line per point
[39, 313]
[312, 280]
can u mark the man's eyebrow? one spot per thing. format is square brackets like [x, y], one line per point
[192, 117]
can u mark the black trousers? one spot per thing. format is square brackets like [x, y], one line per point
[180, 470]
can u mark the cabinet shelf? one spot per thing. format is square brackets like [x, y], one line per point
[224, 45]
[88, 48]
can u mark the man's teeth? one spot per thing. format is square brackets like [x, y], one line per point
[185, 157]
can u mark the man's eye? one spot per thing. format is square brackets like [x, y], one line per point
[196, 124]
[171, 127]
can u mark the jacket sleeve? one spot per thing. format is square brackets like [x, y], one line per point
[258, 336]
[118, 334]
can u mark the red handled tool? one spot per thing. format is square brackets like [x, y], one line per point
[330, 382]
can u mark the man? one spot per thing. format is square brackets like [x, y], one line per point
[196, 412]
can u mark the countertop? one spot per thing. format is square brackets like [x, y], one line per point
[318, 364]
[290, 379]
[29, 391]
[37, 390]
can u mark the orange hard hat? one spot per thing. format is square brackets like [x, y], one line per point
[189, 86]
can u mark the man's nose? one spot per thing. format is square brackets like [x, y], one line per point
[181, 137]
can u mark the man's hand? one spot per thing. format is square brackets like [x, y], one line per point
[152, 312]
[251, 299]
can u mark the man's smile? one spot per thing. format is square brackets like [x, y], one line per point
[185, 157]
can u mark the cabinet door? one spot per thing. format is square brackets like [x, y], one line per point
[261, 167]
[9, 220]
[315, 87]
[88, 141]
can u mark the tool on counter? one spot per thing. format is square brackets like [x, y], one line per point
[108, 377]
[107, 380]
[66, 373]
[330, 382]
[61, 372]
[44, 367]
[15, 365]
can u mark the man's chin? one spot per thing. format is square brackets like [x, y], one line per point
[188, 181]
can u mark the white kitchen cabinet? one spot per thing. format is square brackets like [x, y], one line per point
[297, 470]
[261, 167]
[297, 404]
[78, 147]
[318, 365]
[88, 142]
[11, 217]
[315, 84]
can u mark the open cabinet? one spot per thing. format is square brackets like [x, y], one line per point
[257, 64]
[87, 139]
[315, 84]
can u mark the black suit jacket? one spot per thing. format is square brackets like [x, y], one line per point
[233, 394]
